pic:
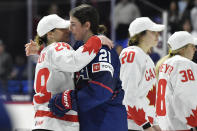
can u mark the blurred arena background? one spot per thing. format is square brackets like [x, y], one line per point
[18, 24]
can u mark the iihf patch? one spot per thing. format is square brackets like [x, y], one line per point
[102, 66]
[96, 67]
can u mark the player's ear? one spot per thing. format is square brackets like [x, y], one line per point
[87, 25]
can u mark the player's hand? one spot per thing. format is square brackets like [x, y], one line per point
[106, 41]
[149, 129]
[56, 106]
[62, 103]
[156, 128]
[31, 48]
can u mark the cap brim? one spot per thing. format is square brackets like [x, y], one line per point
[195, 41]
[157, 27]
[63, 24]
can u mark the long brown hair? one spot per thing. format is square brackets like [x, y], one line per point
[136, 39]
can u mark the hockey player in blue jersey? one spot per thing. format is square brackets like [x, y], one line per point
[98, 95]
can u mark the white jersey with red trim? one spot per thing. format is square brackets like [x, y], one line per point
[54, 75]
[176, 105]
[139, 83]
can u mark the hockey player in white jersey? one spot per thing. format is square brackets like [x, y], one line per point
[54, 68]
[176, 104]
[138, 74]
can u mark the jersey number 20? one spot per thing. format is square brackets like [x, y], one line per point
[129, 56]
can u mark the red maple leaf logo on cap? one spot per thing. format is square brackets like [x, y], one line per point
[152, 96]
[136, 115]
[192, 119]
[93, 44]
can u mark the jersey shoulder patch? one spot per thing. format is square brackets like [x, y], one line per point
[103, 62]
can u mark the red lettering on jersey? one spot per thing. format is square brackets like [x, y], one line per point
[165, 68]
[161, 67]
[192, 119]
[93, 44]
[129, 55]
[146, 76]
[41, 57]
[42, 95]
[154, 71]
[149, 75]
[184, 75]
[96, 67]
[66, 45]
[124, 56]
[136, 115]
[39, 123]
[170, 70]
[190, 74]
[150, 119]
[187, 75]
[152, 96]
[60, 46]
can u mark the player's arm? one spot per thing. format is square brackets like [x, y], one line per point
[61, 103]
[65, 59]
[131, 74]
[101, 86]
[32, 48]
[98, 90]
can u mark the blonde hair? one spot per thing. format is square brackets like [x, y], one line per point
[171, 53]
[38, 40]
[41, 42]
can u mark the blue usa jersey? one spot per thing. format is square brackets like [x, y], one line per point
[100, 94]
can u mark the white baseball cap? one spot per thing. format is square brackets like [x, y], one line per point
[50, 22]
[142, 24]
[180, 39]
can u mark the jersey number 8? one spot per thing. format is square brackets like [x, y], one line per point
[160, 104]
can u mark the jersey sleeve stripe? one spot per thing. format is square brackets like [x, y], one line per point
[66, 117]
[102, 85]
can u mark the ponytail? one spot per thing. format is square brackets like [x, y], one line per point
[171, 53]
[102, 30]
[160, 62]
[41, 40]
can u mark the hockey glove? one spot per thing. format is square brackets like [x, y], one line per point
[63, 102]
